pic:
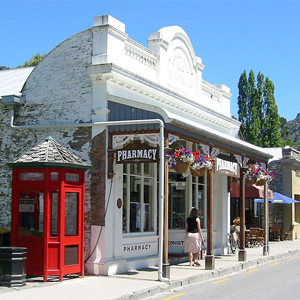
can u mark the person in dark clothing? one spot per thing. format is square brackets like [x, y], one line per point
[194, 237]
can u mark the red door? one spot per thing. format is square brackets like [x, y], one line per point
[72, 227]
[65, 244]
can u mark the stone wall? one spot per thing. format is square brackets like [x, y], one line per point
[276, 184]
[58, 91]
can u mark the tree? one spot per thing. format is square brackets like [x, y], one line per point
[36, 58]
[284, 130]
[271, 133]
[243, 104]
[258, 112]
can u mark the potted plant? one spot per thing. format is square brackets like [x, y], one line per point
[180, 160]
[256, 174]
[201, 164]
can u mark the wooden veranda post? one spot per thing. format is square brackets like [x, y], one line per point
[210, 259]
[266, 222]
[242, 252]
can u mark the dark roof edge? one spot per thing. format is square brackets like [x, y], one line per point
[23, 165]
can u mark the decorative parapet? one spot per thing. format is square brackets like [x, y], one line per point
[214, 92]
[140, 53]
[290, 153]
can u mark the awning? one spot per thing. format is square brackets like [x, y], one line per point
[278, 199]
[251, 191]
[218, 139]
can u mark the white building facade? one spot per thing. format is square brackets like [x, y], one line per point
[101, 75]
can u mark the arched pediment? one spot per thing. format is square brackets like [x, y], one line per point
[180, 69]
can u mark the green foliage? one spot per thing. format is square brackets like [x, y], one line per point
[36, 58]
[284, 130]
[271, 133]
[258, 111]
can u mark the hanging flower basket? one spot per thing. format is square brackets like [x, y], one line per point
[181, 167]
[251, 181]
[198, 172]
[181, 160]
[257, 175]
[201, 164]
[260, 182]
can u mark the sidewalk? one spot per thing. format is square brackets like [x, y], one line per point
[144, 283]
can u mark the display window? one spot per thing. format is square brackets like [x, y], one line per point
[138, 197]
[198, 193]
[185, 192]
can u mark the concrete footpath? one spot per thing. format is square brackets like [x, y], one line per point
[142, 284]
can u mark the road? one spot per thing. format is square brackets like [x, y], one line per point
[275, 281]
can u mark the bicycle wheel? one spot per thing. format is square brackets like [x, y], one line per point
[232, 244]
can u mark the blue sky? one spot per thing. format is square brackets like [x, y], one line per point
[229, 36]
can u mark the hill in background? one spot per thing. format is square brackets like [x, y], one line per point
[294, 126]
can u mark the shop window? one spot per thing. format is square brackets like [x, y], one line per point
[138, 197]
[31, 213]
[177, 201]
[177, 205]
[198, 189]
[71, 214]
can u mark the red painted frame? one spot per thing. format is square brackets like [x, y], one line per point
[46, 254]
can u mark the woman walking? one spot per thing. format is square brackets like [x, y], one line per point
[194, 237]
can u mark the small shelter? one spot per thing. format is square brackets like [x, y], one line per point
[48, 209]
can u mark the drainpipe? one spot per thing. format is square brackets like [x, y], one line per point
[161, 168]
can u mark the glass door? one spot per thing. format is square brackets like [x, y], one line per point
[72, 229]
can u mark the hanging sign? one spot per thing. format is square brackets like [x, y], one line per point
[226, 167]
[137, 152]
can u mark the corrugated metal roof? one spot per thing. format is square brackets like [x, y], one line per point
[12, 80]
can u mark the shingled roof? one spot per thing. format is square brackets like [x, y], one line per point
[49, 153]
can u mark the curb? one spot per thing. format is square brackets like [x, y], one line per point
[142, 294]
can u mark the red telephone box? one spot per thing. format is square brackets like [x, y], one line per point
[48, 210]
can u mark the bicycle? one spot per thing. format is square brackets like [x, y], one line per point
[232, 242]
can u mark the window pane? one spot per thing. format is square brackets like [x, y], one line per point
[54, 213]
[31, 213]
[135, 169]
[135, 205]
[201, 204]
[177, 205]
[72, 177]
[198, 201]
[31, 176]
[54, 175]
[71, 214]
[148, 204]
[149, 169]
